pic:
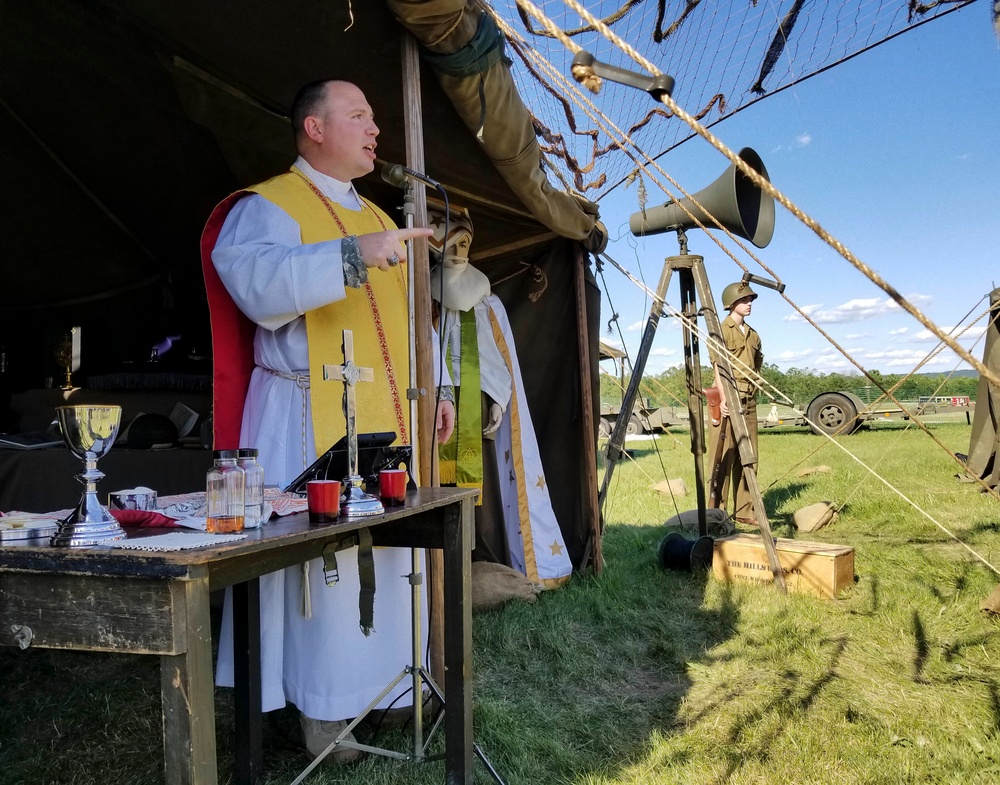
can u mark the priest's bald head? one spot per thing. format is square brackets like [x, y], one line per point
[335, 128]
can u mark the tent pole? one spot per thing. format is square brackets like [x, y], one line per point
[591, 506]
[420, 291]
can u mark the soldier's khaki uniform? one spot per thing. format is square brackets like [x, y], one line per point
[745, 347]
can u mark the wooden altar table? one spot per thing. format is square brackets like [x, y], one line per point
[136, 602]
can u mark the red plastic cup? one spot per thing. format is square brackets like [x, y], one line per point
[323, 498]
[392, 487]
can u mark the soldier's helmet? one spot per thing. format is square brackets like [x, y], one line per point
[736, 291]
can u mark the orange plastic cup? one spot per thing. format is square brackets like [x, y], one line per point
[323, 498]
[392, 487]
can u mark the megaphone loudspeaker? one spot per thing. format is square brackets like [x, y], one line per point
[733, 201]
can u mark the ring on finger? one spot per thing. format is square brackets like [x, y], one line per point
[393, 260]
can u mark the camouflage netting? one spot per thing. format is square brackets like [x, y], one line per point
[723, 56]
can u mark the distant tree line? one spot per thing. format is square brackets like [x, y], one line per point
[801, 385]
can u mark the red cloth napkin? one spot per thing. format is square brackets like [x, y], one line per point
[142, 518]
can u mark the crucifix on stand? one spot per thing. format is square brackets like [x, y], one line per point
[734, 202]
[355, 503]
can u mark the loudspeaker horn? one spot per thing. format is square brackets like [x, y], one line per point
[733, 200]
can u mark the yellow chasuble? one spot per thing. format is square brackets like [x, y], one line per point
[376, 313]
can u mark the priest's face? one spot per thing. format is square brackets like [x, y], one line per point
[344, 133]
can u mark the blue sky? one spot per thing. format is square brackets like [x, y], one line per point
[897, 154]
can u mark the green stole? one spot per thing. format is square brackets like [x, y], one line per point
[461, 459]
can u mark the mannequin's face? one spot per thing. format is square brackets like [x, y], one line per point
[461, 246]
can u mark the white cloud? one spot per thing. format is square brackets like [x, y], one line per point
[791, 356]
[662, 352]
[635, 326]
[969, 335]
[899, 331]
[860, 309]
[804, 139]
[831, 362]
[856, 336]
[944, 360]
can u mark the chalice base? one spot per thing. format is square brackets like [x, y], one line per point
[89, 524]
[355, 503]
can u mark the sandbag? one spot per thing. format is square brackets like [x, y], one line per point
[815, 516]
[674, 487]
[493, 585]
[992, 603]
[719, 522]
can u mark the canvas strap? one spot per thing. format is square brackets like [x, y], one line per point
[362, 538]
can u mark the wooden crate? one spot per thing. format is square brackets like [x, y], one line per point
[810, 567]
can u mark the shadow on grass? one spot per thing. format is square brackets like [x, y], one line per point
[580, 683]
[757, 727]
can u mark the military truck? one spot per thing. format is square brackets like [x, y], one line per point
[646, 416]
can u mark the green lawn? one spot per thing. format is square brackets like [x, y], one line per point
[648, 676]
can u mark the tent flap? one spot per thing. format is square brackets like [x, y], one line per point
[491, 108]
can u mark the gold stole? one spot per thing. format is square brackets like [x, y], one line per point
[377, 314]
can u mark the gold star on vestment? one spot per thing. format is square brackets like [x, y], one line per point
[556, 548]
[541, 482]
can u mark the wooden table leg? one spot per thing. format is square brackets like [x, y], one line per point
[188, 697]
[246, 677]
[458, 539]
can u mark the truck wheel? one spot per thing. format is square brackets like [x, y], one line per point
[833, 413]
[634, 427]
[604, 428]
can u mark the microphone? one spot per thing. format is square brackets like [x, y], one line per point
[396, 174]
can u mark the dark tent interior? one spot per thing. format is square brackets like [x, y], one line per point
[125, 122]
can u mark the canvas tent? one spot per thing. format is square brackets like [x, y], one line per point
[125, 121]
[982, 461]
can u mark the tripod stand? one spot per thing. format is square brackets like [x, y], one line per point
[694, 284]
[418, 675]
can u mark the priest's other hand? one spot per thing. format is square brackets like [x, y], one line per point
[385, 250]
[445, 421]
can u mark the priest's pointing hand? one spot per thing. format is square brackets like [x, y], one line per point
[384, 250]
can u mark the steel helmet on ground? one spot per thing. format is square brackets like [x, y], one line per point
[736, 291]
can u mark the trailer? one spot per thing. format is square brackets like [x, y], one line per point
[842, 412]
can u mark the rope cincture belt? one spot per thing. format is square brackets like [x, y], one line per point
[303, 383]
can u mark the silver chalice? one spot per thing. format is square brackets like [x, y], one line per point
[89, 432]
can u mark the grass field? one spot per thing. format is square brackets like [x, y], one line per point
[642, 675]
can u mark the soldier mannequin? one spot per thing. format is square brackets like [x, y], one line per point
[744, 346]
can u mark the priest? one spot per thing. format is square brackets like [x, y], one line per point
[289, 264]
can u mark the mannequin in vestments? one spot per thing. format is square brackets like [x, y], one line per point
[494, 447]
[289, 264]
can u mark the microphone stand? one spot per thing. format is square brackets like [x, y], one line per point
[416, 670]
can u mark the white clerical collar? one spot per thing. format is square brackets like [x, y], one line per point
[337, 190]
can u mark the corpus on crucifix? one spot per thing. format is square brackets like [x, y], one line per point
[355, 502]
